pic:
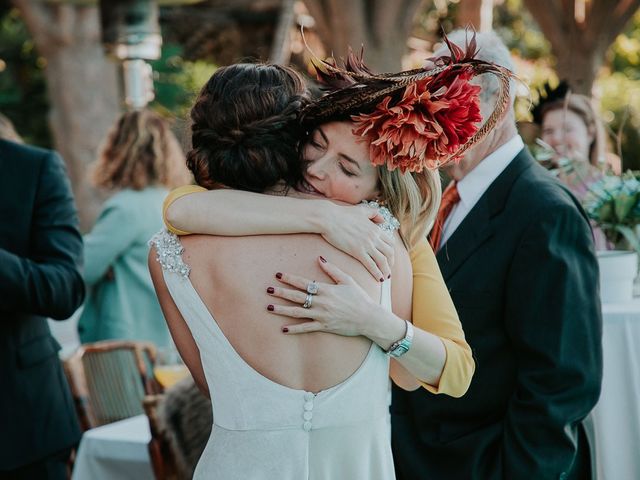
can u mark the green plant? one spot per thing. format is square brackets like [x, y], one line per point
[613, 202]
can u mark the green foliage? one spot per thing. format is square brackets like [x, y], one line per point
[620, 93]
[620, 100]
[624, 54]
[518, 29]
[23, 97]
[177, 81]
[614, 204]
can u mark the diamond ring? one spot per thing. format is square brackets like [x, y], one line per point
[308, 301]
[312, 288]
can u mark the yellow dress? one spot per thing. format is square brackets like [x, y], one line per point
[433, 309]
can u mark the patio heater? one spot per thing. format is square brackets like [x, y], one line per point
[131, 35]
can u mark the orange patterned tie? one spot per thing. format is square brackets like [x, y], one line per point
[450, 197]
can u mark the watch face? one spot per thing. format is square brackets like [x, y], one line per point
[399, 351]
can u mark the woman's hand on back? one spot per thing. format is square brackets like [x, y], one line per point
[343, 308]
[355, 231]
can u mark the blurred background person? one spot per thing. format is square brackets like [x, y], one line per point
[40, 255]
[139, 161]
[570, 125]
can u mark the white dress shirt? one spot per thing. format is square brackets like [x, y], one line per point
[477, 181]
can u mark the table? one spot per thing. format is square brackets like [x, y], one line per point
[616, 417]
[117, 451]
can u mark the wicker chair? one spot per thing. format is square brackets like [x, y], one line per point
[110, 379]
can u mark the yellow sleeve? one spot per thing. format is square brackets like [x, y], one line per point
[433, 311]
[175, 194]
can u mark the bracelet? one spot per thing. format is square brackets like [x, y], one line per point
[402, 346]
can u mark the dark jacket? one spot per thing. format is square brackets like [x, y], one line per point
[523, 275]
[40, 250]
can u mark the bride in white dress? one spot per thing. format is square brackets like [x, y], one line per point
[311, 406]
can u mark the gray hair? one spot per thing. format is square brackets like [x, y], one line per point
[491, 48]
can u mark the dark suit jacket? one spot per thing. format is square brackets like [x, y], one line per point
[40, 250]
[523, 276]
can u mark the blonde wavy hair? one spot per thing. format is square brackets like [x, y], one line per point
[413, 198]
[140, 150]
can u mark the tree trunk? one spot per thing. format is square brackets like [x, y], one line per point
[580, 33]
[281, 47]
[477, 13]
[82, 88]
[382, 27]
[580, 65]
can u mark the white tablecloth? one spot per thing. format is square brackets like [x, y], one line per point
[117, 451]
[616, 417]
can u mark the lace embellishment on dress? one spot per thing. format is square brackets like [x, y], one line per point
[391, 223]
[169, 252]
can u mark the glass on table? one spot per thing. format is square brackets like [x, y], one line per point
[169, 367]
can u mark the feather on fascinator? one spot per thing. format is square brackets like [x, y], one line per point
[417, 119]
[548, 95]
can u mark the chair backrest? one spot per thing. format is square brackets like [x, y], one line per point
[160, 451]
[110, 379]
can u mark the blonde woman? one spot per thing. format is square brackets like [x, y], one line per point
[138, 162]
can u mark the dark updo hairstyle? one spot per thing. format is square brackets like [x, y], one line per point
[245, 132]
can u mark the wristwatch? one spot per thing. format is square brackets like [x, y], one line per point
[403, 345]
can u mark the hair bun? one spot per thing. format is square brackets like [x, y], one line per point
[198, 163]
[244, 133]
[236, 134]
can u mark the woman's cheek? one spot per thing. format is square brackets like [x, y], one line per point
[355, 192]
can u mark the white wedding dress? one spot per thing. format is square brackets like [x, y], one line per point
[265, 431]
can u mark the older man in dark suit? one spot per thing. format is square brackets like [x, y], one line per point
[40, 250]
[516, 251]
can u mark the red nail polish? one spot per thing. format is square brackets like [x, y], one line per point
[322, 259]
[285, 329]
[278, 275]
[389, 276]
[381, 280]
[270, 290]
[270, 308]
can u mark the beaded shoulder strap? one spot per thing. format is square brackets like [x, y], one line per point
[391, 223]
[169, 253]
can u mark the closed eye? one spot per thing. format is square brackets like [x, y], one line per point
[345, 171]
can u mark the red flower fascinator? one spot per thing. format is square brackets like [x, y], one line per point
[416, 119]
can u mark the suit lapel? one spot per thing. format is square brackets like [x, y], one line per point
[479, 224]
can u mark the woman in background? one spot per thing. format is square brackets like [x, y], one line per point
[570, 125]
[140, 160]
